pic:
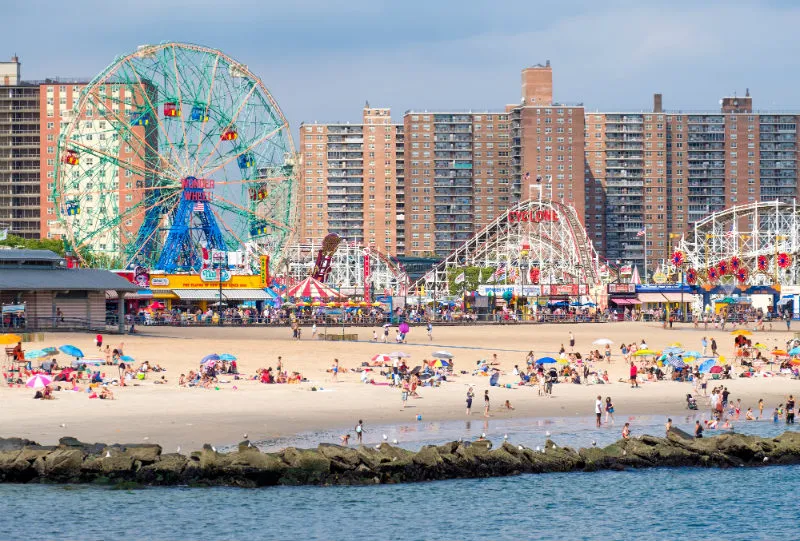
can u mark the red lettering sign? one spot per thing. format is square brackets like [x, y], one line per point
[537, 216]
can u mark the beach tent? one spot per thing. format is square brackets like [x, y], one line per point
[313, 288]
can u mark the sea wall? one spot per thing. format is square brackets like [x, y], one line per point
[72, 461]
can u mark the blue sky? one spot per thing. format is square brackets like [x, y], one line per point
[323, 59]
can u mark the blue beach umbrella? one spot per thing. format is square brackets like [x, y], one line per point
[36, 354]
[127, 359]
[72, 351]
[676, 362]
[227, 357]
[693, 353]
[546, 360]
[706, 365]
[674, 350]
[794, 351]
[207, 358]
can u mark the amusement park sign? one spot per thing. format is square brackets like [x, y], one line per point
[532, 216]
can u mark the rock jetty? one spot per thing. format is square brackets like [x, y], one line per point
[72, 461]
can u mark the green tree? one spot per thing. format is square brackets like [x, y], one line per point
[34, 244]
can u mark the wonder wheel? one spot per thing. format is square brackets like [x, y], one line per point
[173, 152]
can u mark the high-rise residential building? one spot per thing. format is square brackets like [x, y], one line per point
[19, 152]
[547, 143]
[348, 180]
[638, 179]
[457, 177]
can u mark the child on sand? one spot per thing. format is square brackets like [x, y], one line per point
[508, 405]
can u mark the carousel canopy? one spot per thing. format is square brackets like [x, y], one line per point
[314, 289]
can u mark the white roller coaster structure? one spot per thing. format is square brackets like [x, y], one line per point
[765, 237]
[534, 234]
[386, 277]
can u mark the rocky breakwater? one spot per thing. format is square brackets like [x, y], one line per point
[72, 461]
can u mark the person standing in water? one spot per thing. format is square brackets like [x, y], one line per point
[760, 408]
[360, 431]
[470, 396]
[486, 403]
[598, 410]
[609, 410]
[668, 426]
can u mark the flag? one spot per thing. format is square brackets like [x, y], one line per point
[4, 234]
[500, 273]
[642, 233]
[490, 279]
[513, 274]
[199, 207]
[460, 278]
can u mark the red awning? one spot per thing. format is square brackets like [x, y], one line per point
[621, 301]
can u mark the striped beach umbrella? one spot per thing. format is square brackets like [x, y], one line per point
[39, 381]
[314, 289]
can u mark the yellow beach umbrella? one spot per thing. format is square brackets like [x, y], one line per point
[742, 331]
[643, 352]
[8, 339]
[760, 346]
[676, 345]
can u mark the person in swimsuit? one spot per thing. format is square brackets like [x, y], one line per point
[626, 431]
[359, 431]
[668, 426]
[470, 396]
[698, 430]
[486, 403]
[760, 408]
[335, 370]
[609, 410]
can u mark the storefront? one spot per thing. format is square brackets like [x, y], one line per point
[674, 298]
[199, 291]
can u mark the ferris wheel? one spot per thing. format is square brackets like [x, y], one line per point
[173, 152]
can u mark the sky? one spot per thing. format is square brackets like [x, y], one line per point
[322, 60]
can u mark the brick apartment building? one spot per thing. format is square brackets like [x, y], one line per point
[622, 171]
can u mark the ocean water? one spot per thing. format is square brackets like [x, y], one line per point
[579, 431]
[697, 504]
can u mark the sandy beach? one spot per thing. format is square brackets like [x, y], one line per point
[188, 417]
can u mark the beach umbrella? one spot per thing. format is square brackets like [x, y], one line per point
[603, 342]
[676, 345]
[778, 352]
[127, 359]
[793, 351]
[643, 352]
[439, 363]
[399, 355]
[72, 351]
[36, 354]
[760, 346]
[741, 331]
[208, 358]
[404, 328]
[693, 353]
[381, 358]
[546, 360]
[39, 381]
[562, 361]
[676, 362]
[443, 355]
[387, 325]
[674, 350]
[8, 339]
[227, 357]
[706, 365]
[716, 369]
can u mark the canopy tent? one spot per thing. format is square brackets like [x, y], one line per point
[310, 287]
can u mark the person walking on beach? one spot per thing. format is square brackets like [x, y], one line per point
[634, 372]
[571, 341]
[713, 347]
[430, 331]
[704, 343]
[609, 410]
[607, 354]
[470, 396]
[314, 331]
[486, 403]
[360, 431]
[404, 393]
[790, 410]
[335, 370]
[598, 410]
